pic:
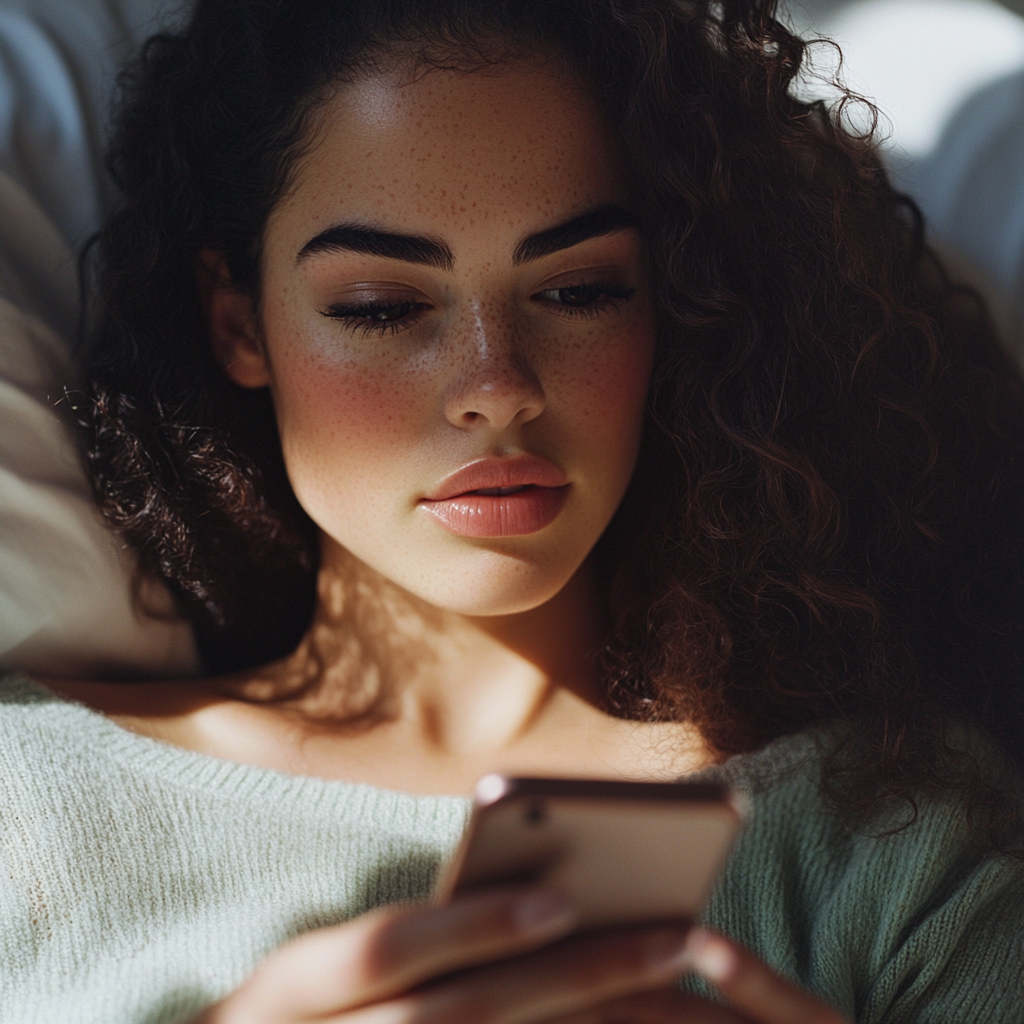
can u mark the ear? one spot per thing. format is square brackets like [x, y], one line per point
[234, 333]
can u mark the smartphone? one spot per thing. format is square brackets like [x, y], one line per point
[623, 852]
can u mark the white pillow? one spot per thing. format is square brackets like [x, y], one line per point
[971, 190]
[66, 583]
[948, 76]
[58, 61]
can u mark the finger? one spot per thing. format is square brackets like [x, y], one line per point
[390, 951]
[667, 1006]
[566, 978]
[751, 986]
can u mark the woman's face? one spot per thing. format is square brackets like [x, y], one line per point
[454, 280]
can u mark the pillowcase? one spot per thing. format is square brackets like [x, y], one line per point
[949, 79]
[971, 191]
[69, 604]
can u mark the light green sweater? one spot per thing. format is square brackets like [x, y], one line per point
[140, 882]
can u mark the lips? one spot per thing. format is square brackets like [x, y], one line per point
[499, 497]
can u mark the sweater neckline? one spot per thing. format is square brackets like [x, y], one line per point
[205, 773]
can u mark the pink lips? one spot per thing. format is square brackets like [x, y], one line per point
[499, 497]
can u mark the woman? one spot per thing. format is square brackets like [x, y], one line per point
[531, 386]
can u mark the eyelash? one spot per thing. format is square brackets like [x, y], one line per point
[361, 318]
[601, 297]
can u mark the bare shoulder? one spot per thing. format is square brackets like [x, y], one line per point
[164, 709]
[141, 699]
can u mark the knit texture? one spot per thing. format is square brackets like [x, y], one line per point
[140, 882]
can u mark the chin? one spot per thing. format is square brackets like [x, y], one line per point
[499, 586]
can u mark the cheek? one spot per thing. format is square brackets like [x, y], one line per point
[604, 386]
[343, 426]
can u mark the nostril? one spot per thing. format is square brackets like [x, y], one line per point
[498, 398]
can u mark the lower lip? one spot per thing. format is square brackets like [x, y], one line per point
[505, 515]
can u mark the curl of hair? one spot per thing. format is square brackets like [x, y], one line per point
[824, 523]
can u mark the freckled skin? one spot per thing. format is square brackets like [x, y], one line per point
[370, 423]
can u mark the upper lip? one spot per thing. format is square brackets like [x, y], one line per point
[518, 471]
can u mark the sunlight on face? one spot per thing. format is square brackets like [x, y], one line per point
[454, 281]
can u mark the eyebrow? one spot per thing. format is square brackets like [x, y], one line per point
[433, 252]
[602, 221]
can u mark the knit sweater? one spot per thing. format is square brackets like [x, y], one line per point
[140, 882]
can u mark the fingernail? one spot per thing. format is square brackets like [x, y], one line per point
[543, 911]
[708, 955]
[665, 952]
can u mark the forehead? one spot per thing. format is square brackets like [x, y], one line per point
[510, 149]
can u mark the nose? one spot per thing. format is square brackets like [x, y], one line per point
[493, 383]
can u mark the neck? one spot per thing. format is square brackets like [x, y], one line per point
[376, 652]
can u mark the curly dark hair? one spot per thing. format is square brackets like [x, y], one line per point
[824, 524]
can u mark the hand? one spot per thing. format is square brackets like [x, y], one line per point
[756, 993]
[486, 959]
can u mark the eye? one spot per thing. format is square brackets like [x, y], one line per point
[376, 317]
[586, 299]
